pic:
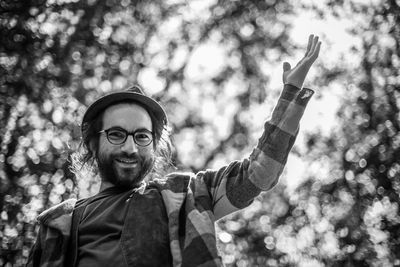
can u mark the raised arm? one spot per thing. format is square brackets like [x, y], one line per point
[235, 186]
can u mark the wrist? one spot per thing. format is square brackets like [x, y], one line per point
[295, 84]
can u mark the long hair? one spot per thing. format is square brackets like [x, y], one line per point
[85, 158]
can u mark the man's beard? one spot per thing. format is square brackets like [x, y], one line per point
[127, 178]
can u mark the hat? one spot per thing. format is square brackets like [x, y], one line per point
[134, 94]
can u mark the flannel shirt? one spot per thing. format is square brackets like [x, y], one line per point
[195, 201]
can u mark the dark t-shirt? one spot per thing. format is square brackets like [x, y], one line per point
[99, 241]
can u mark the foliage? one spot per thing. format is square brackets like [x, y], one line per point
[350, 218]
[209, 63]
[58, 56]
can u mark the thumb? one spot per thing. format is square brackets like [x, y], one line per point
[286, 66]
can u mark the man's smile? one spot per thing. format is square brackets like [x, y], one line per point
[127, 162]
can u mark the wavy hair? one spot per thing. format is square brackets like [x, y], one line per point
[85, 158]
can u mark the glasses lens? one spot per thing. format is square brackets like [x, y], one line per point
[116, 136]
[143, 138]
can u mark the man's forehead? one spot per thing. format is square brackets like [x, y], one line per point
[126, 114]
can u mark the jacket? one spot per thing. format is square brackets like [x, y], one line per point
[195, 201]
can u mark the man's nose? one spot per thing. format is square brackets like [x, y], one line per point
[130, 146]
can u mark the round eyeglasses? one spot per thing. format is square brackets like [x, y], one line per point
[118, 136]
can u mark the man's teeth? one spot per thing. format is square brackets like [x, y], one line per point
[127, 161]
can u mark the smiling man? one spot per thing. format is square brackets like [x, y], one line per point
[142, 217]
[124, 153]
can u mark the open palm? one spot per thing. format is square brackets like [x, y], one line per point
[297, 75]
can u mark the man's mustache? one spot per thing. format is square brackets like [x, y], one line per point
[130, 157]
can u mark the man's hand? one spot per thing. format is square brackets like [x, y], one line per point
[297, 75]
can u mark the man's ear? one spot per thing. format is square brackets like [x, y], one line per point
[155, 145]
[93, 147]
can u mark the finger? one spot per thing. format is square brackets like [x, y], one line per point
[286, 66]
[316, 51]
[314, 45]
[310, 40]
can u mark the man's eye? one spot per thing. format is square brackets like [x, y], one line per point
[142, 136]
[116, 134]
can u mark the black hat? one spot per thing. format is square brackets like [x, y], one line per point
[134, 94]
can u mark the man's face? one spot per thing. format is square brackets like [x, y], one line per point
[125, 164]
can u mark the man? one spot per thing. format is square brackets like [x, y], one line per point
[137, 220]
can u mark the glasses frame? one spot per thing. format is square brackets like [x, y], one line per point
[127, 133]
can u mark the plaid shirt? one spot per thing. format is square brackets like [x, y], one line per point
[195, 201]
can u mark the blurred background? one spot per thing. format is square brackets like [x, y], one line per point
[216, 65]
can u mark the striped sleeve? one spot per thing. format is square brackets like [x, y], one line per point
[235, 186]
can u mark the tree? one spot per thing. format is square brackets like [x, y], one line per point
[351, 217]
[57, 56]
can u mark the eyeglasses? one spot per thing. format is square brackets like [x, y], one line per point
[118, 136]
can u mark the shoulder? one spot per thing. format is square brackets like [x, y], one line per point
[64, 208]
[176, 181]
